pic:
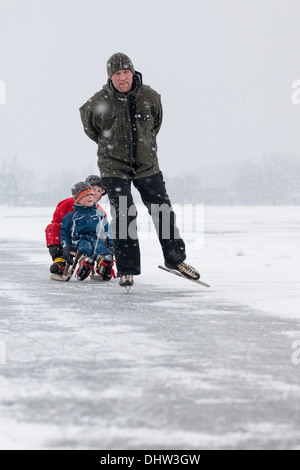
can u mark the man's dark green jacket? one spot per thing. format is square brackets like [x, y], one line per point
[125, 127]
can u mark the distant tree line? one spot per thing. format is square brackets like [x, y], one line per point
[272, 181]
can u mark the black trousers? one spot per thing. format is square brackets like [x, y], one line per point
[124, 224]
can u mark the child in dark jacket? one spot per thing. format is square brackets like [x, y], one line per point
[86, 229]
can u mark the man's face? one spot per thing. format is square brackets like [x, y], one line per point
[122, 80]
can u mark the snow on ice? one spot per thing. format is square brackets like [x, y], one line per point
[170, 365]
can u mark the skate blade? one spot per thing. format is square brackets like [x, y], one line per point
[98, 278]
[177, 273]
[127, 287]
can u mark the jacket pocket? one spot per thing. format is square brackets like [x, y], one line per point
[144, 116]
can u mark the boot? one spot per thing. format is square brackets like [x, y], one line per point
[126, 280]
[86, 265]
[186, 270]
[58, 266]
[104, 265]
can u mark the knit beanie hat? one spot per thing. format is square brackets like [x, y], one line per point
[80, 190]
[119, 61]
[95, 180]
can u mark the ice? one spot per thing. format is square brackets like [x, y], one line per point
[171, 365]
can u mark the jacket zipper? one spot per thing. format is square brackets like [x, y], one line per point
[128, 130]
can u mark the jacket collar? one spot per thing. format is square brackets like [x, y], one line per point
[84, 208]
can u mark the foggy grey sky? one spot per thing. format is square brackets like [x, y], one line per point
[224, 69]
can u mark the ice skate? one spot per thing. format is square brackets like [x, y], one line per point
[187, 271]
[178, 271]
[126, 280]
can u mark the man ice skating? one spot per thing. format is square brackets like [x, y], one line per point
[87, 230]
[52, 231]
[124, 119]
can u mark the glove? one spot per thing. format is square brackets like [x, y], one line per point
[66, 254]
[110, 244]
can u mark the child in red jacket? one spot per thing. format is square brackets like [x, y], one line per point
[53, 230]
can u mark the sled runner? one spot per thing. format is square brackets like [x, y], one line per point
[85, 267]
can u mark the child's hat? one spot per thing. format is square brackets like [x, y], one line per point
[95, 180]
[80, 190]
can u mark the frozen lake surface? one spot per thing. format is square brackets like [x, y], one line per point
[170, 365]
